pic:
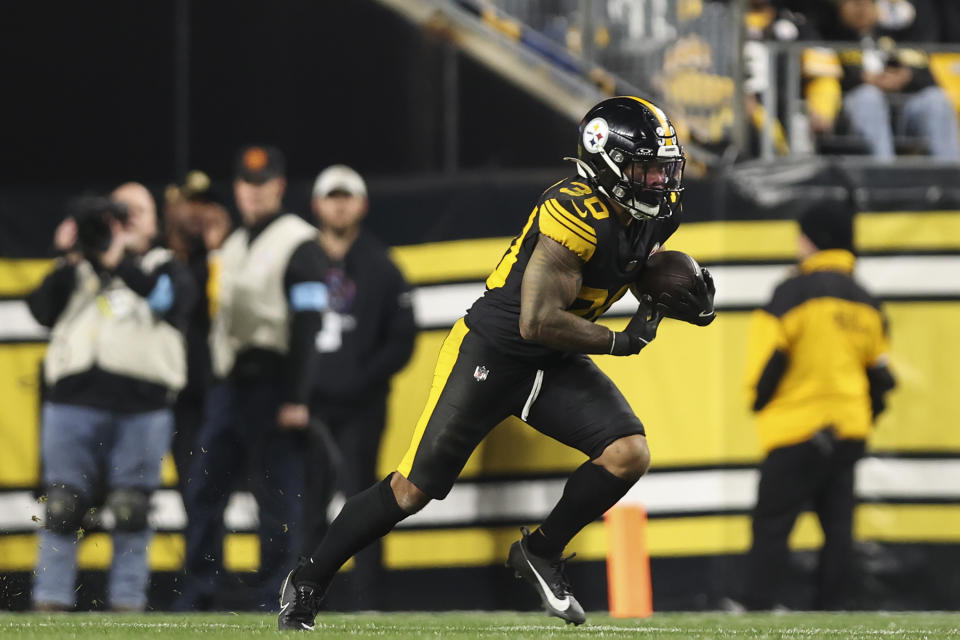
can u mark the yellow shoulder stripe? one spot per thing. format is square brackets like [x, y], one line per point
[562, 222]
[559, 230]
[557, 209]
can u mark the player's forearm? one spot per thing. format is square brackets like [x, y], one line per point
[550, 285]
[565, 331]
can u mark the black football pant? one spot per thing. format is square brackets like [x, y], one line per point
[818, 475]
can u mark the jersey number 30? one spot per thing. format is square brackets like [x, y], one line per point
[593, 204]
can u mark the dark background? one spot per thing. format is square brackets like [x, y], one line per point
[99, 93]
[91, 94]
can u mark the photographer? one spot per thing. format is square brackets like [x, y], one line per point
[114, 365]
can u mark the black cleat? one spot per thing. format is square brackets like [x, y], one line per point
[299, 605]
[548, 578]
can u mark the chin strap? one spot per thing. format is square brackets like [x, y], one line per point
[585, 170]
[637, 210]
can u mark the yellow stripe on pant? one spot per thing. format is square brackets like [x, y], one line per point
[445, 361]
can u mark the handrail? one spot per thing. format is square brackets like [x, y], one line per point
[800, 45]
[793, 71]
[485, 32]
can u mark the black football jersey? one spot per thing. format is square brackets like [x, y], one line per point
[572, 213]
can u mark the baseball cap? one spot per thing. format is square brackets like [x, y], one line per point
[339, 177]
[196, 187]
[257, 164]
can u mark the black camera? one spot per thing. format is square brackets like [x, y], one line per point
[93, 215]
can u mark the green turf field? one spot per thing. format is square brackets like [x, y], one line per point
[488, 625]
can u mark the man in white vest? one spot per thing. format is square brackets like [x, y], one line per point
[270, 302]
[117, 308]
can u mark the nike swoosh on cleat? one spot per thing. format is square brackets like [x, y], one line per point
[704, 314]
[308, 627]
[283, 588]
[555, 602]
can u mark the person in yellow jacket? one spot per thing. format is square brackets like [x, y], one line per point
[818, 375]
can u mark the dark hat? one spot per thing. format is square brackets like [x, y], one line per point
[196, 187]
[257, 164]
[829, 225]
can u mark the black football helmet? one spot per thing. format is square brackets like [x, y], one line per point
[629, 151]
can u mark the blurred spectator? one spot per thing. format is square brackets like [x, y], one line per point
[195, 223]
[909, 20]
[115, 362]
[271, 300]
[818, 374]
[368, 334]
[817, 13]
[872, 75]
[765, 20]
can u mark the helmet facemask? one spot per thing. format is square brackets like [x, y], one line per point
[646, 186]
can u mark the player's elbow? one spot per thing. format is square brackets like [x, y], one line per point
[532, 326]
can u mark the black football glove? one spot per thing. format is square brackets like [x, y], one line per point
[640, 331]
[691, 305]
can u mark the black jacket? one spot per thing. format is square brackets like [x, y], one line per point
[369, 331]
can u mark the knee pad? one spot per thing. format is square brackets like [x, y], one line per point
[130, 508]
[65, 508]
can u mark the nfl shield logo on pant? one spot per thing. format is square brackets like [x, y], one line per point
[480, 373]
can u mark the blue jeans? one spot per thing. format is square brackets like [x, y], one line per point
[82, 446]
[927, 113]
[241, 445]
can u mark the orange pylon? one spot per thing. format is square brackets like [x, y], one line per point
[628, 562]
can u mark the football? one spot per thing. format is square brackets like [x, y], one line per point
[667, 271]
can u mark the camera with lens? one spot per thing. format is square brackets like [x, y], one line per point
[93, 216]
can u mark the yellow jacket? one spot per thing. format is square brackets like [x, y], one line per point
[813, 352]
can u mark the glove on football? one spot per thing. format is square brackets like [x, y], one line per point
[691, 305]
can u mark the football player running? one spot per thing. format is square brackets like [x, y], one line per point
[522, 350]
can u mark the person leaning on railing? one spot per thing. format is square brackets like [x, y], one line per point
[864, 80]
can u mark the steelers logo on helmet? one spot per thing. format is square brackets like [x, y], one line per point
[629, 151]
[595, 135]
